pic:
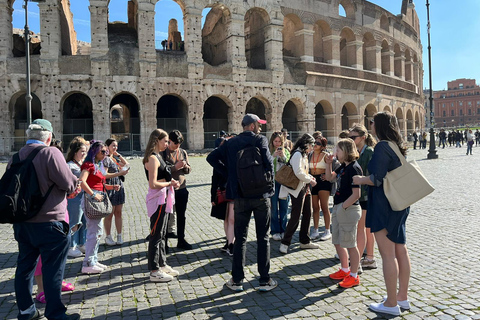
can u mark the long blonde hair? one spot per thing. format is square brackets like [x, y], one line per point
[157, 134]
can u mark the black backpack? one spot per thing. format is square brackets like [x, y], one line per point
[20, 196]
[253, 181]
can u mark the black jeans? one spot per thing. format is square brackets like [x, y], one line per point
[243, 212]
[156, 244]
[301, 205]
[51, 240]
[181, 199]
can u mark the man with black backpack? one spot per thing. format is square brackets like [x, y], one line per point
[248, 169]
[45, 233]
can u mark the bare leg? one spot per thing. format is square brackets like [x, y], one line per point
[316, 210]
[361, 233]
[404, 268]
[324, 195]
[370, 244]
[117, 212]
[230, 221]
[107, 222]
[390, 267]
[354, 259]
[342, 254]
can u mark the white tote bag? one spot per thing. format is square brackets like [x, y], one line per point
[406, 184]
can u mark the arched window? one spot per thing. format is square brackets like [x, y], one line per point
[18, 24]
[292, 43]
[256, 21]
[215, 34]
[169, 26]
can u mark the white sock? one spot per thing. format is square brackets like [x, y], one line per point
[353, 274]
[345, 269]
[327, 231]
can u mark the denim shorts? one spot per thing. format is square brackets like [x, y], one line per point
[344, 225]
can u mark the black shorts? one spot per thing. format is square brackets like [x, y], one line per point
[364, 205]
[322, 185]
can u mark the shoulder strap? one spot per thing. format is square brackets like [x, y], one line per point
[397, 152]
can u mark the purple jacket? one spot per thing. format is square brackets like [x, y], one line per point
[51, 169]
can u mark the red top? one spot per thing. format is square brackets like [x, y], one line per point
[95, 180]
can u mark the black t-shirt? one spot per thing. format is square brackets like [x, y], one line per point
[164, 171]
[344, 181]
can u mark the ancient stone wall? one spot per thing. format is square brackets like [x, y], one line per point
[282, 58]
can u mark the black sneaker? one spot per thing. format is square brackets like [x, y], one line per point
[230, 249]
[73, 316]
[271, 284]
[225, 247]
[37, 315]
[182, 244]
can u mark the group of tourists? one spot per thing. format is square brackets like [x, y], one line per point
[352, 174]
[457, 138]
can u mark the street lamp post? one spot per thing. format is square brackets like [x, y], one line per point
[432, 153]
[28, 95]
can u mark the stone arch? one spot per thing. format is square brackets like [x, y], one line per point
[386, 67]
[369, 52]
[418, 122]
[215, 34]
[293, 43]
[348, 110]
[348, 55]
[171, 114]
[398, 60]
[322, 50]
[256, 22]
[120, 32]
[349, 8]
[368, 114]
[127, 130]
[325, 118]
[18, 107]
[259, 105]
[173, 27]
[410, 122]
[384, 23]
[416, 74]
[215, 118]
[291, 117]
[18, 39]
[408, 66]
[387, 108]
[77, 117]
[401, 121]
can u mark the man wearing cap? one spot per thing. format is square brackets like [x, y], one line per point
[259, 205]
[288, 143]
[47, 234]
[220, 139]
[178, 158]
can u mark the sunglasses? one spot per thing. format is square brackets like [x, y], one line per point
[104, 151]
[354, 137]
[318, 143]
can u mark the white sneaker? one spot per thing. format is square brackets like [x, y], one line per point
[104, 267]
[277, 237]
[326, 235]
[404, 304]
[92, 270]
[283, 248]
[119, 239]
[169, 270]
[109, 241]
[309, 246]
[314, 234]
[74, 253]
[159, 276]
[379, 307]
[81, 248]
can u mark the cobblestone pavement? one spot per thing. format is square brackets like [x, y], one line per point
[443, 238]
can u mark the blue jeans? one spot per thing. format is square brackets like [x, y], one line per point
[279, 212]
[243, 212]
[469, 148]
[79, 237]
[51, 240]
[94, 233]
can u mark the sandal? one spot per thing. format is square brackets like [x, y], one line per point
[67, 286]
[40, 297]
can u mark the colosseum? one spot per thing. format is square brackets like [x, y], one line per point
[304, 65]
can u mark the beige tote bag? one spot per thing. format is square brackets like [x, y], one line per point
[406, 184]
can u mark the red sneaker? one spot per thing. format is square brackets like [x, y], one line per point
[339, 275]
[349, 282]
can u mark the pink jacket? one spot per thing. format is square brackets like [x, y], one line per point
[156, 197]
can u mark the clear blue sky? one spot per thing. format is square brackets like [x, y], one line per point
[454, 33]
